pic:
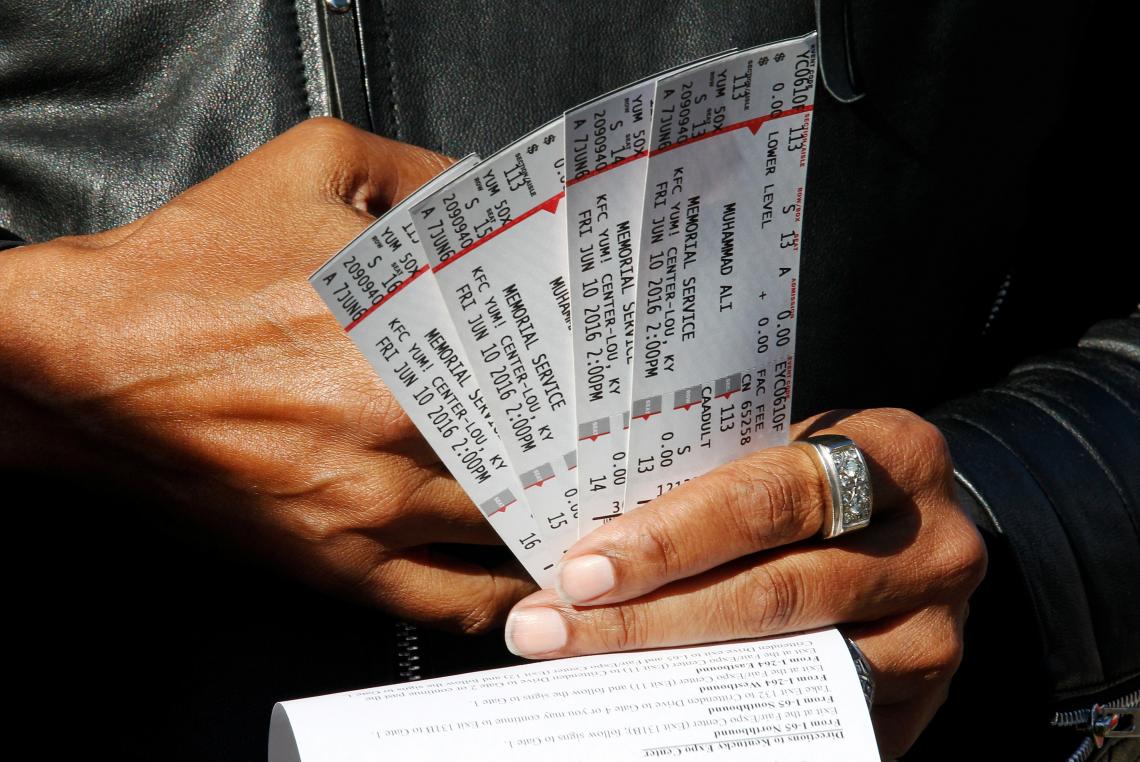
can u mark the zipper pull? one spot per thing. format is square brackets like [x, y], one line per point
[1113, 722]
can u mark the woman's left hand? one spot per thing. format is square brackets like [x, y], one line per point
[735, 554]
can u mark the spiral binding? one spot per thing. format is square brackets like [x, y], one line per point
[409, 657]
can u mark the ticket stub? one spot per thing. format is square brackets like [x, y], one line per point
[718, 264]
[381, 289]
[607, 142]
[496, 240]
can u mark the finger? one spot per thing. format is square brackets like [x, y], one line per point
[858, 578]
[407, 504]
[913, 654]
[771, 498]
[327, 482]
[768, 499]
[438, 510]
[912, 659]
[906, 454]
[434, 588]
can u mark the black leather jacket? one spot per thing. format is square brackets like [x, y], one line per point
[959, 256]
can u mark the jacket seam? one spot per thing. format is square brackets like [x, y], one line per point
[299, 58]
[390, 38]
[1079, 373]
[972, 491]
[1046, 404]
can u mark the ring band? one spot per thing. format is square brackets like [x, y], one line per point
[848, 481]
[863, 670]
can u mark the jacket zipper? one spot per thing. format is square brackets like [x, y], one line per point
[1100, 722]
[409, 652]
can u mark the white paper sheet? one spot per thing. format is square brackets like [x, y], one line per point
[788, 699]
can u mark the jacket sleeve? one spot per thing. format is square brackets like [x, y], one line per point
[1051, 457]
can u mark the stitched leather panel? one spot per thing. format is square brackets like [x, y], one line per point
[109, 109]
[1107, 427]
[1053, 582]
[1119, 337]
[1109, 371]
[1095, 521]
[1070, 418]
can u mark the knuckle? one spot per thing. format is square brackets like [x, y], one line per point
[944, 657]
[929, 437]
[626, 628]
[321, 130]
[377, 411]
[784, 505]
[974, 557]
[424, 161]
[929, 446]
[771, 503]
[767, 599]
[484, 614]
[392, 496]
[960, 558]
[311, 524]
[330, 151]
[372, 586]
[663, 549]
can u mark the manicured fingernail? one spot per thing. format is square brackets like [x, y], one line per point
[535, 631]
[585, 578]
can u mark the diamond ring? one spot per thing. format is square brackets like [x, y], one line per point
[848, 481]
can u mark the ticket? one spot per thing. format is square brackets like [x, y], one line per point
[381, 289]
[718, 264]
[496, 239]
[607, 141]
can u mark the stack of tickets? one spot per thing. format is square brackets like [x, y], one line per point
[604, 309]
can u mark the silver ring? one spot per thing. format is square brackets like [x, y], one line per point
[863, 670]
[848, 481]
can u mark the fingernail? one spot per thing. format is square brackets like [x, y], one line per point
[585, 578]
[535, 631]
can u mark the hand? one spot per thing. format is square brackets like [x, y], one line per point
[730, 555]
[189, 352]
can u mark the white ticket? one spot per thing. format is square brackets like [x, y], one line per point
[496, 239]
[718, 264]
[382, 291]
[607, 141]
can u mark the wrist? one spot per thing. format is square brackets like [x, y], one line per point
[35, 433]
[29, 283]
